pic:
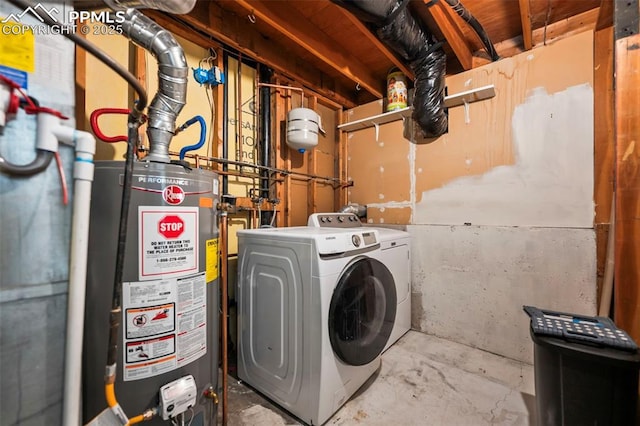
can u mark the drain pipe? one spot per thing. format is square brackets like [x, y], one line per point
[85, 147]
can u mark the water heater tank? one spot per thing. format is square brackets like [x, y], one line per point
[170, 299]
[302, 128]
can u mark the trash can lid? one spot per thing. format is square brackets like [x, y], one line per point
[589, 352]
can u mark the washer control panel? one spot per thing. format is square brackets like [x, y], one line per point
[334, 220]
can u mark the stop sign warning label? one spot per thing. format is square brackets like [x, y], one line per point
[171, 226]
[167, 241]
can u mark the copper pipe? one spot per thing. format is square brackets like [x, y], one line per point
[280, 86]
[254, 218]
[223, 273]
[271, 169]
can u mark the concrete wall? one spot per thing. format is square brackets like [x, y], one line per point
[501, 207]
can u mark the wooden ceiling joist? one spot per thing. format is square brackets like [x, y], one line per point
[355, 22]
[566, 27]
[445, 18]
[525, 18]
[208, 18]
[298, 29]
[605, 15]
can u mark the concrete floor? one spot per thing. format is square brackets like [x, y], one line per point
[423, 380]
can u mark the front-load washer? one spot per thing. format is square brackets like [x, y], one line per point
[394, 253]
[315, 311]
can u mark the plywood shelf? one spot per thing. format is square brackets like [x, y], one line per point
[386, 117]
[469, 96]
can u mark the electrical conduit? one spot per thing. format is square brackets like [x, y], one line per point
[203, 135]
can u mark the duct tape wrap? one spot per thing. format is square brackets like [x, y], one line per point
[428, 104]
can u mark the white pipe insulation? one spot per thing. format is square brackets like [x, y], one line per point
[50, 132]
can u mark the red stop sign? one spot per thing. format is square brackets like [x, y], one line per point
[171, 226]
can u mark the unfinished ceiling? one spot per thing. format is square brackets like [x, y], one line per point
[326, 48]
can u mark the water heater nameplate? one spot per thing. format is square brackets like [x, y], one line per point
[167, 241]
[164, 325]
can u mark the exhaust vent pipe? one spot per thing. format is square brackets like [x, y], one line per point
[172, 68]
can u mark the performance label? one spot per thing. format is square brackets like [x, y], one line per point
[165, 324]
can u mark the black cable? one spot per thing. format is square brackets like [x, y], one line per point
[66, 31]
[477, 27]
[132, 137]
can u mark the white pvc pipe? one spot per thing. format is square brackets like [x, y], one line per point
[83, 168]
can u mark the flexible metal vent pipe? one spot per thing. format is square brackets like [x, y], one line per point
[172, 69]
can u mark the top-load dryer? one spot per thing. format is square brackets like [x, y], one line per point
[395, 254]
[316, 308]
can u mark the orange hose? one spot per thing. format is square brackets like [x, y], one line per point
[110, 393]
[136, 419]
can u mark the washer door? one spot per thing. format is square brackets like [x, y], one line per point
[362, 312]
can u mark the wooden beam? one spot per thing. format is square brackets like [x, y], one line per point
[312, 168]
[355, 22]
[82, 120]
[605, 15]
[445, 18]
[604, 123]
[604, 144]
[557, 31]
[575, 24]
[208, 18]
[627, 167]
[297, 28]
[340, 197]
[525, 19]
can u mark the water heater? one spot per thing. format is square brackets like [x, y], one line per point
[168, 342]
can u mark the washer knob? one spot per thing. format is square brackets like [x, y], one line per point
[355, 240]
[340, 219]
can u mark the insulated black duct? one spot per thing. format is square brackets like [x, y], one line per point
[402, 33]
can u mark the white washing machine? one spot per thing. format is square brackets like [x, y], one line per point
[315, 310]
[394, 253]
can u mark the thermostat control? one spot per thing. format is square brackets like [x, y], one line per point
[177, 397]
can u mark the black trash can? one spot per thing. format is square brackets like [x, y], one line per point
[580, 384]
